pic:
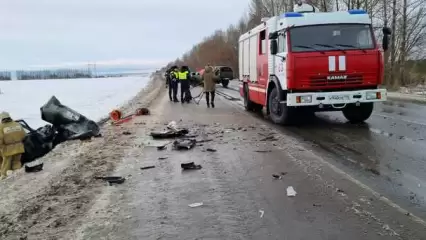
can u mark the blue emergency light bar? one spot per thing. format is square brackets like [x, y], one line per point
[357, 11]
[291, 14]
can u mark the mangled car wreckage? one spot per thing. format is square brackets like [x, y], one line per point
[65, 124]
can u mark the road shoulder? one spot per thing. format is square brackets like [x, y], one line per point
[43, 205]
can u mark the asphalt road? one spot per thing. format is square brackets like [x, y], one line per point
[241, 190]
[387, 154]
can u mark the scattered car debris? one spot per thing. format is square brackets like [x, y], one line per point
[374, 171]
[184, 144]
[261, 213]
[172, 125]
[268, 138]
[276, 176]
[147, 167]
[263, 151]
[193, 205]
[204, 140]
[162, 158]
[127, 133]
[169, 134]
[291, 192]
[211, 150]
[190, 166]
[112, 180]
[284, 173]
[161, 147]
[340, 190]
[316, 205]
[34, 166]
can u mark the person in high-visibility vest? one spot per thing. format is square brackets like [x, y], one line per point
[185, 95]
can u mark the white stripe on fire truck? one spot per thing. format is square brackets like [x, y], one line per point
[331, 63]
[342, 63]
[256, 89]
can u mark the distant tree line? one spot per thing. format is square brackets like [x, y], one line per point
[5, 76]
[406, 18]
[54, 74]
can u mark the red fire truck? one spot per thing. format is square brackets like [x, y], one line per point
[308, 61]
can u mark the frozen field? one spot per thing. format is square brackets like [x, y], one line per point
[94, 98]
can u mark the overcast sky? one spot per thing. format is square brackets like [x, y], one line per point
[68, 32]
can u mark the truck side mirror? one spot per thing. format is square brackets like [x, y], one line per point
[387, 31]
[274, 47]
[385, 40]
[273, 35]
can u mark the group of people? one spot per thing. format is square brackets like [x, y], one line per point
[12, 135]
[175, 77]
[182, 76]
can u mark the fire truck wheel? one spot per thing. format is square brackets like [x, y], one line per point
[278, 112]
[359, 114]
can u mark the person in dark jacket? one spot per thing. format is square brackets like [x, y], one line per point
[173, 83]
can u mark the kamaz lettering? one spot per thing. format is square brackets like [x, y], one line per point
[342, 77]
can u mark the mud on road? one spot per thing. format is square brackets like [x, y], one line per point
[51, 203]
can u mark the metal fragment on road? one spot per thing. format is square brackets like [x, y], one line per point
[147, 167]
[193, 205]
[291, 192]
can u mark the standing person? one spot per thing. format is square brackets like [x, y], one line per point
[11, 147]
[184, 85]
[208, 78]
[174, 76]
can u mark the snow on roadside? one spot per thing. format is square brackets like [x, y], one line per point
[94, 98]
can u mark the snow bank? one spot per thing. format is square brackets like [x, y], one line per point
[94, 98]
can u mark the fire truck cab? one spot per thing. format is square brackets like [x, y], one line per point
[310, 61]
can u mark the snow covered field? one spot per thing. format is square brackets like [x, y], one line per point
[94, 98]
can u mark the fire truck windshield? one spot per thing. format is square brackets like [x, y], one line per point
[331, 37]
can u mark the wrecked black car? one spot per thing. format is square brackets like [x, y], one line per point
[66, 124]
[69, 124]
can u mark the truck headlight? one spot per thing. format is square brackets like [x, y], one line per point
[304, 99]
[373, 95]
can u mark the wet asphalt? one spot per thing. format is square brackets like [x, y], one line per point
[241, 190]
[387, 153]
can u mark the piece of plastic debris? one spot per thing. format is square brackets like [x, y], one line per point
[162, 158]
[261, 213]
[291, 192]
[147, 167]
[184, 144]
[195, 204]
[172, 125]
[211, 150]
[263, 151]
[276, 176]
[190, 166]
[111, 180]
[127, 133]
